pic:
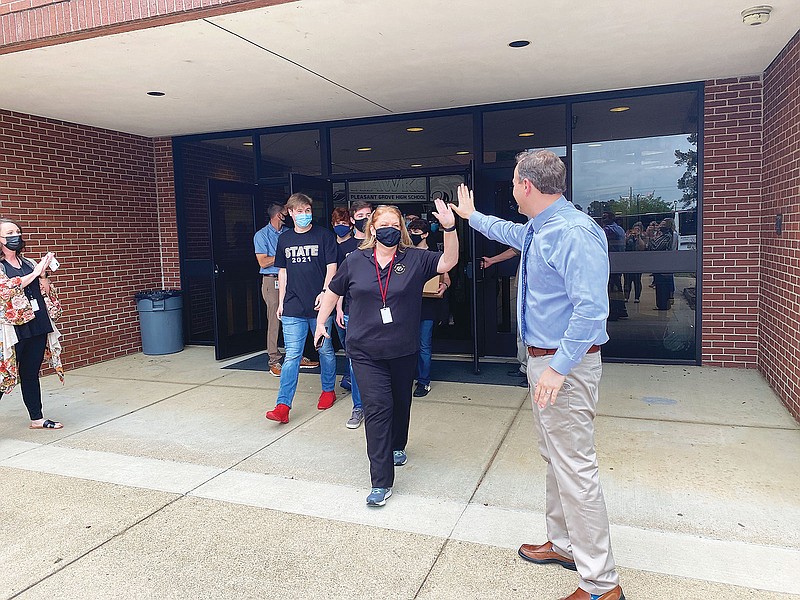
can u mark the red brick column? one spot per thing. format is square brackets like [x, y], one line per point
[779, 351]
[731, 222]
[167, 219]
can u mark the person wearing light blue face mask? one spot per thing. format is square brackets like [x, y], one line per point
[306, 259]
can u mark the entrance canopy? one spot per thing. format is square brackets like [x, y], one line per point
[323, 60]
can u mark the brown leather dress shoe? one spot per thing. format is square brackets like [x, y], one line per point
[580, 594]
[545, 555]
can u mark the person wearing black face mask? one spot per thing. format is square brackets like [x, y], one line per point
[384, 279]
[433, 311]
[25, 325]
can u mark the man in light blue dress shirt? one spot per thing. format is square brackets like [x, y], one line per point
[562, 306]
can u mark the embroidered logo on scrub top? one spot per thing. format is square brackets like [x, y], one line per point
[399, 268]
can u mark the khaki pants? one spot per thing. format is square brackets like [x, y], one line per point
[271, 297]
[577, 521]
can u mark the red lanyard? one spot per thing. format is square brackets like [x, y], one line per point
[384, 290]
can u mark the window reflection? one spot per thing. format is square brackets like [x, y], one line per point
[634, 169]
[290, 152]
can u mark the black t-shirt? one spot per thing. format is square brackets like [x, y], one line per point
[348, 246]
[368, 337]
[306, 257]
[345, 248]
[41, 323]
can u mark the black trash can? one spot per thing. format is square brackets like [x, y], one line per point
[160, 320]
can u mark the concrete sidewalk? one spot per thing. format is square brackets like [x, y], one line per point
[167, 482]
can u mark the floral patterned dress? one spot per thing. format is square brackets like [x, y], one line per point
[15, 309]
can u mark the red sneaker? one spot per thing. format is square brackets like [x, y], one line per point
[280, 413]
[326, 400]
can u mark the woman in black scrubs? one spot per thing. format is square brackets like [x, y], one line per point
[31, 337]
[385, 277]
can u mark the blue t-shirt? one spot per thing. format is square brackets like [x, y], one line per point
[266, 242]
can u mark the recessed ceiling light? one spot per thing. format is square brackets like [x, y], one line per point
[619, 109]
[414, 129]
[519, 43]
[462, 152]
[364, 149]
[156, 94]
[416, 165]
[525, 134]
[247, 143]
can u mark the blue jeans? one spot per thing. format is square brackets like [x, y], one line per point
[295, 330]
[425, 346]
[354, 392]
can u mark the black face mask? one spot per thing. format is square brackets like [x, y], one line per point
[14, 242]
[361, 224]
[388, 236]
[416, 238]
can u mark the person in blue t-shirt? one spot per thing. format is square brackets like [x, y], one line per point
[266, 242]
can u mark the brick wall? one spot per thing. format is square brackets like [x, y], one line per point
[167, 220]
[89, 195]
[779, 353]
[731, 222]
[26, 24]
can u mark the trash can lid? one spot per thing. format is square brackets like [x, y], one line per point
[156, 294]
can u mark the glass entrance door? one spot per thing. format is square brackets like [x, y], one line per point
[239, 324]
[497, 284]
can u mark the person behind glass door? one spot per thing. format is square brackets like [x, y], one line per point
[24, 282]
[663, 282]
[433, 311]
[306, 259]
[522, 350]
[634, 242]
[384, 279]
[562, 308]
[616, 243]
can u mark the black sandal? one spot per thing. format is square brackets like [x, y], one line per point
[48, 424]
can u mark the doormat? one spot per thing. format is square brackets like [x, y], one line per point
[455, 371]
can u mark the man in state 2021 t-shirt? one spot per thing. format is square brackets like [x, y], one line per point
[306, 258]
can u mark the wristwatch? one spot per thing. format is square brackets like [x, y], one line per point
[449, 229]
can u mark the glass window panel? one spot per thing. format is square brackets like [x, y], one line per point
[290, 152]
[634, 170]
[227, 158]
[442, 142]
[506, 133]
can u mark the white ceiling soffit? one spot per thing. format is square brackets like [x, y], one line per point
[317, 60]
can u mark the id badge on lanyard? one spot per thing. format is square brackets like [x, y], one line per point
[386, 312]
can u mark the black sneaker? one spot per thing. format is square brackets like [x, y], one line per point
[421, 390]
[516, 373]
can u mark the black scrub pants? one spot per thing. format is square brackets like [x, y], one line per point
[385, 387]
[30, 353]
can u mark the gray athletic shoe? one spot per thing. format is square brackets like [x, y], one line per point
[356, 418]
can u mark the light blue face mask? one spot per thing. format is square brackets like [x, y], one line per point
[303, 220]
[434, 227]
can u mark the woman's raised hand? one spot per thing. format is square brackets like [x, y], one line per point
[444, 214]
[43, 264]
